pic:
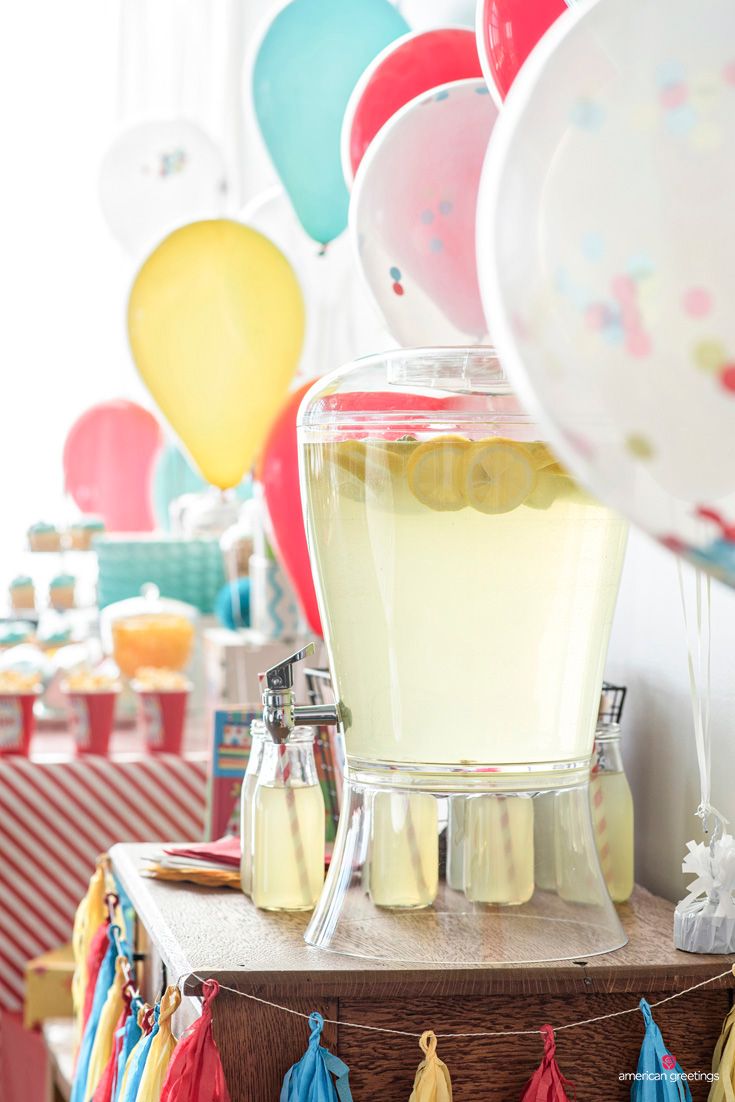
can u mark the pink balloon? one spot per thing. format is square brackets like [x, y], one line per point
[412, 215]
[108, 457]
[409, 66]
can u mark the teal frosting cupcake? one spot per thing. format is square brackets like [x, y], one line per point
[22, 581]
[15, 632]
[62, 581]
[55, 637]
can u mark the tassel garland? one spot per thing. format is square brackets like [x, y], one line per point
[547, 1084]
[195, 1073]
[723, 1063]
[318, 1076]
[432, 1082]
[161, 1049]
[659, 1074]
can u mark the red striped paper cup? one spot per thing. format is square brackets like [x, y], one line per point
[91, 719]
[17, 722]
[162, 716]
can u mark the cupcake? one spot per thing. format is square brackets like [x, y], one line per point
[83, 531]
[15, 632]
[44, 537]
[22, 592]
[51, 638]
[61, 591]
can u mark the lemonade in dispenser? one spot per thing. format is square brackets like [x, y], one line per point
[466, 587]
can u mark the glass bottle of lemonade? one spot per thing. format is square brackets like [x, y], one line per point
[499, 849]
[611, 802]
[288, 826]
[258, 736]
[403, 861]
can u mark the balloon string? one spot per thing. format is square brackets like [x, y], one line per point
[454, 1036]
[699, 665]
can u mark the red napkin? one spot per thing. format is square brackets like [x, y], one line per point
[225, 851]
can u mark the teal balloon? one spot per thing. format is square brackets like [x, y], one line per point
[232, 604]
[173, 475]
[308, 62]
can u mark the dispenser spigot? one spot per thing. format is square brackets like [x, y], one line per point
[281, 713]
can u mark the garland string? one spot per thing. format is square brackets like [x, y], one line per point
[455, 1036]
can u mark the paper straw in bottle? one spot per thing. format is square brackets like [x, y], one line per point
[284, 763]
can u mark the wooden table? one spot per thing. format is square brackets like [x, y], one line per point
[195, 933]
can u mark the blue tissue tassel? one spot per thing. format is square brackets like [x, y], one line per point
[662, 1073]
[318, 1076]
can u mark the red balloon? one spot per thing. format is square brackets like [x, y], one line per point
[507, 31]
[411, 65]
[279, 472]
[108, 457]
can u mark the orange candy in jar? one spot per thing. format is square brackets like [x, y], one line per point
[156, 639]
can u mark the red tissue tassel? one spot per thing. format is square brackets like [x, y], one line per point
[195, 1073]
[547, 1084]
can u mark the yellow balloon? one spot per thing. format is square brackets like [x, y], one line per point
[216, 324]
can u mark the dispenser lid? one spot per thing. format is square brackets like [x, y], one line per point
[401, 383]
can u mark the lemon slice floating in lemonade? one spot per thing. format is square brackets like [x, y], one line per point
[351, 456]
[498, 475]
[435, 473]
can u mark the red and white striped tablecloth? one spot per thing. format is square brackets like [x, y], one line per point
[56, 815]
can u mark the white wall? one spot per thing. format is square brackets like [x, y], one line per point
[648, 654]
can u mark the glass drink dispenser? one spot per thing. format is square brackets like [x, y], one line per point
[466, 587]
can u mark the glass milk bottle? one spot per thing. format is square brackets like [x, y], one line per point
[288, 826]
[499, 849]
[611, 803]
[403, 859]
[258, 736]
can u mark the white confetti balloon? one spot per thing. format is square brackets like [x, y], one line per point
[412, 215]
[606, 233]
[158, 176]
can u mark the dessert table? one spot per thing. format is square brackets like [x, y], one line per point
[195, 933]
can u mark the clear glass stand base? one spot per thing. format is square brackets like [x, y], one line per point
[501, 871]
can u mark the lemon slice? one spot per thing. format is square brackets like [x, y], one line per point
[499, 476]
[348, 461]
[350, 455]
[388, 458]
[435, 473]
[541, 455]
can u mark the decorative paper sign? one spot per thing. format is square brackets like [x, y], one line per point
[230, 753]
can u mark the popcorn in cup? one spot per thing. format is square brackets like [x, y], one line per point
[18, 692]
[91, 699]
[163, 696]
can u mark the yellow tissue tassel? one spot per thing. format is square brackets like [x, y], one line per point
[432, 1082]
[723, 1062]
[161, 1050]
[89, 916]
[105, 1035]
